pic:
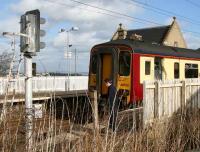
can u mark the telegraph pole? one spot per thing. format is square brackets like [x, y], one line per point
[75, 60]
[68, 53]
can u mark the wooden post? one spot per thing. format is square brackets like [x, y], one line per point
[93, 97]
[157, 98]
[145, 105]
[94, 103]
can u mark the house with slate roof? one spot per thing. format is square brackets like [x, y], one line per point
[169, 35]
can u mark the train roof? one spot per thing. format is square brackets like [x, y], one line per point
[156, 49]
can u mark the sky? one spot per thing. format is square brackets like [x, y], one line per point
[97, 21]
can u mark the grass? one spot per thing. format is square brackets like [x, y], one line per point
[56, 131]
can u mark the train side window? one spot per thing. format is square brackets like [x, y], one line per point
[176, 70]
[94, 64]
[124, 63]
[191, 70]
[147, 67]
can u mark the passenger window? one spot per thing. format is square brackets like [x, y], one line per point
[147, 67]
[191, 70]
[124, 63]
[94, 64]
[176, 70]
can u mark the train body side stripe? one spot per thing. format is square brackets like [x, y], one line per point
[171, 57]
[136, 87]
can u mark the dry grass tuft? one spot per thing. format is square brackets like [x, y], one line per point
[181, 132]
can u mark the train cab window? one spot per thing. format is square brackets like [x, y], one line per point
[147, 67]
[124, 63]
[191, 70]
[176, 70]
[94, 64]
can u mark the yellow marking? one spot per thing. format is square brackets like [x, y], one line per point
[124, 83]
[92, 80]
[106, 71]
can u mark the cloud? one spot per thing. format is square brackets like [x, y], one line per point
[96, 26]
[66, 9]
[10, 24]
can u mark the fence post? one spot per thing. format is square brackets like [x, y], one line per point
[157, 98]
[145, 108]
[183, 94]
[93, 97]
[94, 104]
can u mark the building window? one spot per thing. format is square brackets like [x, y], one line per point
[147, 67]
[175, 44]
[124, 63]
[176, 70]
[191, 70]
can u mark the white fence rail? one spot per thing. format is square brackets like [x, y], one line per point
[163, 98]
[45, 84]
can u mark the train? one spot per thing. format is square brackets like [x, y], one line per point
[128, 63]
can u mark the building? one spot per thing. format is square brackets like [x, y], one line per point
[169, 35]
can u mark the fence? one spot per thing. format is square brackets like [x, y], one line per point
[45, 84]
[162, 98]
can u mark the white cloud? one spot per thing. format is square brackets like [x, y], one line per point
[85, 39]
[66, 9]
[10, 24]
[95, 27]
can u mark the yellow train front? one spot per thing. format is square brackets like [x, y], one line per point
[128, 63]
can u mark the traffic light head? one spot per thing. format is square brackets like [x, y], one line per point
[30, 26]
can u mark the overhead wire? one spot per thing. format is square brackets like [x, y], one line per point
[94, 11]
[148, 21]
[193, 3]
[161, 11]
[136, 19]
[116, 12]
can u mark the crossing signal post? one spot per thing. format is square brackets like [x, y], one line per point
[29, 45]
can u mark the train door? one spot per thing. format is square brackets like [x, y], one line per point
[106, 71]
[158, 68]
